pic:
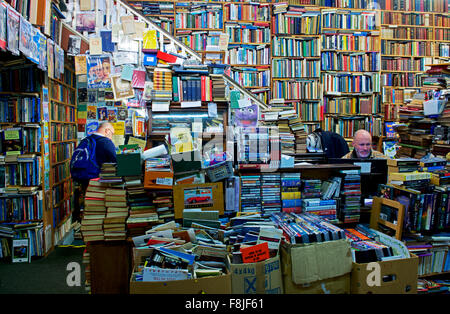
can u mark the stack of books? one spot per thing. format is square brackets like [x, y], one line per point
[162, 85]
[271, 192]
[218, 87]
[300, 134]
[291, 192]
[94, 212]
[108, 173]
[163, 201]
[114, 224]
[251, 193]
[142, 211]
[349, 210]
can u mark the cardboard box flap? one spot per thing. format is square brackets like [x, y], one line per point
[320, 261]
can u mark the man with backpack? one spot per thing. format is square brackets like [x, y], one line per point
[88, 157]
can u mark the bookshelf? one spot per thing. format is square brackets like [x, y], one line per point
[350, 71]
[62, 141]
[296, 60]
[22, 181]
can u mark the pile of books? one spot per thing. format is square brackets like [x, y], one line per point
[162, 85]
[218, 87]
[94, 212]
[163, 201]
[306, 228]
[114, 224]
[142, 212]
[299, 131]
[108, 173]
[349, 210]
[291, 192]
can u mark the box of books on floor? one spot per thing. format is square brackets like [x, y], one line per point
[315, 256]
[381, 264]
[255, 262]
[170, 259]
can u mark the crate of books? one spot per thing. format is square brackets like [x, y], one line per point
[315, 257]
[381, 264]
[168, 271]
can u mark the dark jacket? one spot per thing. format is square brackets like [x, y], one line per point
[105, 151]
[333, 144]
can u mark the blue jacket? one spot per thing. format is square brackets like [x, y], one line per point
[105, 151]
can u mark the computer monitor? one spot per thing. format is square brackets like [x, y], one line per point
[373, 173]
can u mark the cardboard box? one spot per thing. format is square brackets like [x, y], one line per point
[336, 285]
[257, 278]
[209, 285]
[308, 263]
[396, 277]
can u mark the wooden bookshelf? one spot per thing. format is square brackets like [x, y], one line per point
[26, 125]
[62, 141]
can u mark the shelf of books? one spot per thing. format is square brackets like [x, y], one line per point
[406, 47]
[62, 141]
[350, 71]
[248, 52]
[22, 203]
[296, 60]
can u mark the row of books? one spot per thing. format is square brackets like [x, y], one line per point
[310, 110]
[346, 126]
[308, 23]
[403, 64]
[247, 12]
[26, 172]
[62, 93]
[23, 139]
[350, 42]
[61, 151]
[63, 132]
[351, 83]
[295, 47]
[207, 19]
[294, 68]
[62, 113]
[298, 89]
[332, 61]
[247, 55]
[22, 207]
[251, 77]
[19, 80]
[401, 79]
[407, 33]
[248, 33]
[351, 105]
[20, 109]
[199, 40]
[365, 20]
[60, 172]
[32, 232]
[406, 18]
[413, 48]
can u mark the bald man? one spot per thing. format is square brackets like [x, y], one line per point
[362, 147]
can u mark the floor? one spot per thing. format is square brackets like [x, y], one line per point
[49, 275]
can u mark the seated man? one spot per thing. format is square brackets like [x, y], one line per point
[362, 147]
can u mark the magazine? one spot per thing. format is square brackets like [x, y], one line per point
[12, 26]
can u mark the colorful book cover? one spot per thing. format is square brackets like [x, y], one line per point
[3, 19]
[149, 40]
[107, 44]
[92, 112]
[91, 126]
[138, 80]
[12, 27]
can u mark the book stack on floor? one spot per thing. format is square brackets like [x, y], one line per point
[94, 212]
[142, 212]
[114, 224]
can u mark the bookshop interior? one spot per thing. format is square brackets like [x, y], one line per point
[237, 164]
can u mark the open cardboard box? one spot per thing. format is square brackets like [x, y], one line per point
[257, 278]
[322, 267]
[209, 285]
[396, 277]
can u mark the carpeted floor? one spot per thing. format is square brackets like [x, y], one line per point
[45, 275]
